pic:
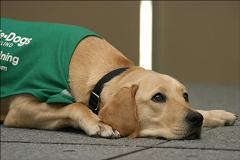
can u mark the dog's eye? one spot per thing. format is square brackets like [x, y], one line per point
[185, 96]
[159, 98]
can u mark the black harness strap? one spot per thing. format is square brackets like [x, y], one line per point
[93, 103]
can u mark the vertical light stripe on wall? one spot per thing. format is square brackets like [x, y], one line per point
[145, 57]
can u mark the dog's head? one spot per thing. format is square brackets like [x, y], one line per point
[151, 105]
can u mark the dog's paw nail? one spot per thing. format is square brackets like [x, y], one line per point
[116, 134]
[236, 116]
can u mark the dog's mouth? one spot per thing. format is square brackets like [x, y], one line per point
[194, 135]
[190, 135]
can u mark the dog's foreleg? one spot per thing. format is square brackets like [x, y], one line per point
[27, 112]
[217, 118]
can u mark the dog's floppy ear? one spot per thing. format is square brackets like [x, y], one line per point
[120, 112]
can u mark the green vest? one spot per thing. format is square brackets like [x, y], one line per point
[35, 59]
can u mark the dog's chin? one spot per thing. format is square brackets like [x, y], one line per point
[196, 134]
[188, 135]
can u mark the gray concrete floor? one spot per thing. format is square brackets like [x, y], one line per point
[221, 143]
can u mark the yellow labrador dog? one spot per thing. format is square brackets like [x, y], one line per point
[134, 103]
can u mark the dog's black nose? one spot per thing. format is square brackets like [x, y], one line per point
[194, 119]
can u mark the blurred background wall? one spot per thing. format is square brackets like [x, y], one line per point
[198, 41]
[116, 21]
[192, 41]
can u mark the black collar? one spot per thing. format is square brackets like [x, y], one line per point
[93, 103]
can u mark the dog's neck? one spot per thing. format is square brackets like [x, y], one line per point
[92, 59]
[94, 100]
[126, 79]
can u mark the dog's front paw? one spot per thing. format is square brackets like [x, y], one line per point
[102, 130]
[218, 118]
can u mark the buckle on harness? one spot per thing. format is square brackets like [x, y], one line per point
[95, 101]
